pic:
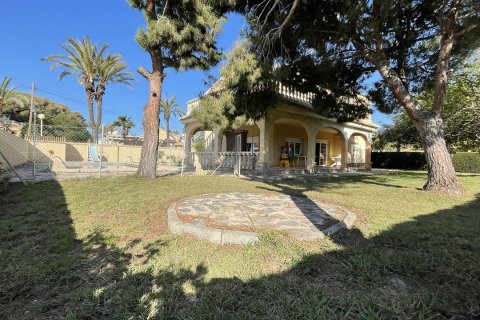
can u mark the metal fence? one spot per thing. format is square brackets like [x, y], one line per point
[61, 150]
[75, 150]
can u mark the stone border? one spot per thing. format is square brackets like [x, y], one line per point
[222, 236]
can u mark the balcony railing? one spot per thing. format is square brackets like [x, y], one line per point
[285, 91]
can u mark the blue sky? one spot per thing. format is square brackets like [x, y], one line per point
[35, 29]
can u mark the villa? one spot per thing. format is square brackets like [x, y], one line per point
[292, 135]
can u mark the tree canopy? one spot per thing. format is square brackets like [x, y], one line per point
[55, 113]
[243, 93]
[408, 43]
[462, 114]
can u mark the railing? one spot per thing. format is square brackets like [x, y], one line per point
[48, 139]
[226, 160]
[192, 105]
[291, 93]
[285, 91]
[288, 92]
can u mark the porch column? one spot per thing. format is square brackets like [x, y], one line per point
[217, 141]
[263, 161]
[368, 155]
[188, 146]
[344, 162]
[312, 136]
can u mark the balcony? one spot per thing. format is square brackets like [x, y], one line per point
[287, 92]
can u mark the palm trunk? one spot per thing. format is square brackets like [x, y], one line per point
[99, 98]
[441, 173]
[90, 92]
[167, 124]
[148, 161]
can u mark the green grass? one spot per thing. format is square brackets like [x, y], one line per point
[100, 249]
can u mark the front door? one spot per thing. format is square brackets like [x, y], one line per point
[321, 151]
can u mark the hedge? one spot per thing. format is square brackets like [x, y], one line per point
[399, 160]
[468, 162]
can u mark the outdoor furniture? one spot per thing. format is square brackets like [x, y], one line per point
[337, 161]
[304, 160]
[92, 154]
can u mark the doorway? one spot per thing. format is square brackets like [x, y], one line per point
[321, 153]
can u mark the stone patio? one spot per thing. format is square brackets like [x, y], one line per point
[238, 218]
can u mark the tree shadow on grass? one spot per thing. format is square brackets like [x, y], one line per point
[329, 181]
[428, 267]
[424, 268]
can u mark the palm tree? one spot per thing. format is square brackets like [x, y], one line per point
[9, 96]
[125, 123]
[110, 69]
[93, 70]
[169, 107]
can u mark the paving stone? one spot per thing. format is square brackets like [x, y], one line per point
[301, 216]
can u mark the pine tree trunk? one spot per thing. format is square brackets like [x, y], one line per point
[151, 121]
[441, 173]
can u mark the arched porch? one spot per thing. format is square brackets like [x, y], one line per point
[330, 151]
[359, 151]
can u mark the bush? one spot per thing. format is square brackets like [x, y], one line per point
[399, 160]
[466, 162]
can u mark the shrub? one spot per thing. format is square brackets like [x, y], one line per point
[399, 160]
[466, 162]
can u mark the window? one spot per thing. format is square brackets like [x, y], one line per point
[294, 147]
[252, 147]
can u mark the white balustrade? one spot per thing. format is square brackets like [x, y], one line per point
[212, 160]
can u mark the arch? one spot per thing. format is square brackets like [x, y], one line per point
[359, 150]
[292, 137]
[191, 129]
[330, 150]
[291, 121]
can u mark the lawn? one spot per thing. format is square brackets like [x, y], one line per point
[100, 248]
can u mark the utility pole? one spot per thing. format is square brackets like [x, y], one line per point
[31, 110]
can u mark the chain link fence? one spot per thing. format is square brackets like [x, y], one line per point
[62, 150]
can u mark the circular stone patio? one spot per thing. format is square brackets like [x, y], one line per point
[238, 218]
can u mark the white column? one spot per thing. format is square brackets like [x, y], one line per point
[263, 161]
[346, 137]
[188, 145]
[217, 140]
[312, 136]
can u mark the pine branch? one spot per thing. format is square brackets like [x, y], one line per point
[144, 73]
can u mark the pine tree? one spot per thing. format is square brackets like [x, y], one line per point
[179, 34]
[408, 42]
